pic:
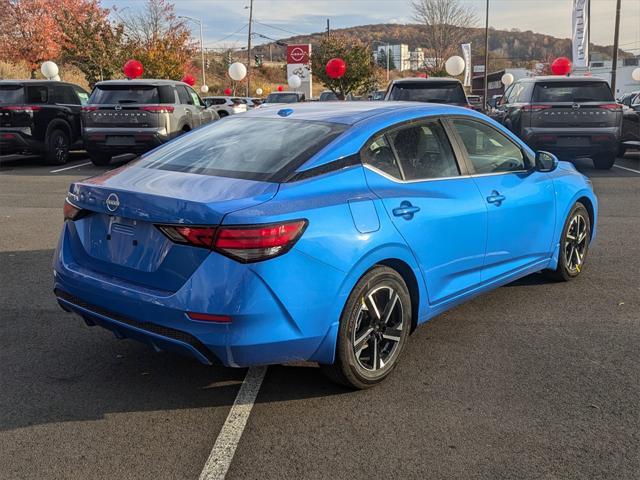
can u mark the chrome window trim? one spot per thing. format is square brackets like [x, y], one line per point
[421, 180]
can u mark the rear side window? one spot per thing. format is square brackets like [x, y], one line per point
[11, 94]
[434, 92]
[37, 94]
[183, 95]
[122, 94]
[573, 92]
[250, 148]
[378, 154]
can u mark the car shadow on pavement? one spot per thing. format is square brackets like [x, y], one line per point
[54, 368]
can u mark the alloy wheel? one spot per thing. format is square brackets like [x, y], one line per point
[378, 329]
[61, 148]
[575, 243]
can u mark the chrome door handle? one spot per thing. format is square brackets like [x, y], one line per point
[496, 198]
[406, 210]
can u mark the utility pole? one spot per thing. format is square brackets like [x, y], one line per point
[249, 50]
[328, 28]
[388, 63]
[589, 35]
[486, 58]
[204, 79]
[616, 38]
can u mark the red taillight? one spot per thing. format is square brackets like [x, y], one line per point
[601, 138]
[196, 236]
[206, 317]
[614, 107]
[158, 108]
[547, 138]
[22, 108]
[535, 108]
[8, 136]
[89, 108]
[245, 243]
[71, 212]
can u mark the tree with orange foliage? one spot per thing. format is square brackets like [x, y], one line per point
[29, 32]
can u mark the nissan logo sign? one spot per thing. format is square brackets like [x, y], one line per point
[112, 202]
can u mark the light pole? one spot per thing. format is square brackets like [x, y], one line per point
[198, 21]
[250, 7]
[387, 55]
[616, 38]
[486, 58]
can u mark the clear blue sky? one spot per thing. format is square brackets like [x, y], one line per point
[225, 20]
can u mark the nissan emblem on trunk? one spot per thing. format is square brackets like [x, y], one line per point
[112, 202]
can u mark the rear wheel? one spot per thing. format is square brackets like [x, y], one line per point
[604, 161]
[99, 158]
[574, 244]
[374, 328]
[57, 148]
[223, 114]
[622, 149]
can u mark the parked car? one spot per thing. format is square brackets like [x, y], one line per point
[225, 106]
[572, 117]
[326, 234]
[41, 117]
[378, 95]
[630, 136]
[135, 116]
[284, 97]
[476, 102]
[432, 90]
[493, 101]
[329, 96]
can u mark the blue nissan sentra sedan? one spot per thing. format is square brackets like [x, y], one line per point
[320, 232]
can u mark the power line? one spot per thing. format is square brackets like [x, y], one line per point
[277, 28]
[232, 34]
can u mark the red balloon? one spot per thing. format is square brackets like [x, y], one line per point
[336, 68]
[189, 80]
[133, 69]
[280, 88]
[561, 66]
[227, 91]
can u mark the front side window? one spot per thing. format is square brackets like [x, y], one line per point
[489, 150]
[195, 98]
[82, 95]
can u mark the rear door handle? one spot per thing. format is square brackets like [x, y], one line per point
[496, 198]
[406, 210]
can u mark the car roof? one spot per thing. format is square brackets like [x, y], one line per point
[426, 80]
[348, 112]
[36, 82]
[560, 78]
[141, 81]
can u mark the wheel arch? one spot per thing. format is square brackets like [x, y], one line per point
[58, 124]
[586, 201]
[409, 277]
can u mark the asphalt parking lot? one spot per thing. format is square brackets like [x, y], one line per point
[533, 380]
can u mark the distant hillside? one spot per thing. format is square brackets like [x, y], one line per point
[512, 47]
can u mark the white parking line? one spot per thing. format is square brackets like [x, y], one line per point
[69, 168]
[628, 169]
[223, 450]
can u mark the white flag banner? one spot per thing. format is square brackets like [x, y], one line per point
[466, 55]
[580, 35]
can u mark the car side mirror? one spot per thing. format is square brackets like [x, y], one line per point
[545, 161]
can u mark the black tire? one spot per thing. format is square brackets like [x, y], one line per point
[604, 161]
[99, 159]
[622, 149]
[223, 114]
[57, 152]
[381, 342]
[570, 268]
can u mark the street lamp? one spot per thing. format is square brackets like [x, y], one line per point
[387, 55]
[198, 21]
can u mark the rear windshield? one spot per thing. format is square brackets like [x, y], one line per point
[552, 92]
[122, 94]
[328, 96]
[282, 98]
[434, 92]
[251, 148]
[11, 94]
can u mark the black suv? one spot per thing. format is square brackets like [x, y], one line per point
[135, 116]
[630, 136]
[41, 117]
[572, 117]
[432, 90]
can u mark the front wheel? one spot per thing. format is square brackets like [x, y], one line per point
[604, 161]
[374, 327]
[574, 244]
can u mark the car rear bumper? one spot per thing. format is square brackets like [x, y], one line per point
[15, 140]
[263, 329]
[123, 140]
[573, 143]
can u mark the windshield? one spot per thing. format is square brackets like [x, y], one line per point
[122, 94]
[11, 94]
[251, 148]
[282, 98]
[572, 92]
[434, 92]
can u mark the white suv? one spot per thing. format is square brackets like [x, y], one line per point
[225, 105]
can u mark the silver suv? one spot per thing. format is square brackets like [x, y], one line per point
[135, 116]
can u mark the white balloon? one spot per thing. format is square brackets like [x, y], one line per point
[454, 65]
[56, 78]
[258, 91]
[204, 89]
[294, 81]
[49, 69]
[237, 71]
[635, 74]
[507, 79]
